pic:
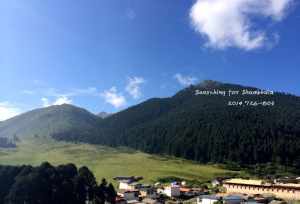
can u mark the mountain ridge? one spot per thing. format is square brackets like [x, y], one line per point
[197, 127]
[207, 129]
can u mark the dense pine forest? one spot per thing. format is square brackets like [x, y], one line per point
[64, 184]
[204, 128]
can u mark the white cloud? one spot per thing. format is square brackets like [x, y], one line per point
[64, 97]
[8, 110]
[58, 101]
[229, 23]
[62, 100]
[45, 102]
[133, 86]
[114, 98]
[185, 80]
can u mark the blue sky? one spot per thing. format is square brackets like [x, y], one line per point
[110, 54]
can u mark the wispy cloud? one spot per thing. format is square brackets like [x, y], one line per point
[8, 110]
[61, 97]
[185, 80]
[54, 96]
[229, 23]
[58, 101]
[113, 97]
[133, 86]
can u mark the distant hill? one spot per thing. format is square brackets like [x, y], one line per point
[47, 121]
[199, 127]
[104, 115]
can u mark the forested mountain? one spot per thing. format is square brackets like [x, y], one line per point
[199, 127]
[205, 128]
[46, 121]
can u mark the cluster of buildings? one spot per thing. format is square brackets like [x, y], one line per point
[232, 191]
[130, 191]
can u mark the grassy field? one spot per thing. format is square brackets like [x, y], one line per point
[108, 162]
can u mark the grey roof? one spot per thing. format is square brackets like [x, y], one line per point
[212, 197]
[233, 197]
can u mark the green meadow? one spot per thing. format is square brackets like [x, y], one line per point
[108, 162]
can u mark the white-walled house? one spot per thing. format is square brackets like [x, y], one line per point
[208, 199]
[172, 191]
[128, 182]
[128, 185]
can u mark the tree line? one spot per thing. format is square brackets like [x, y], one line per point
[47, 184]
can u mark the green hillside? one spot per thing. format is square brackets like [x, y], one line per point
[108, 162]
[46, 121]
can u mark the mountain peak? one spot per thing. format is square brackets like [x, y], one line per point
[209, 84]
[103, 114]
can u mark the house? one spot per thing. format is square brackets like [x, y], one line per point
[289, 191]
[233, 199]
[186, 191]
[148, 191]
[128, 185]
[172, 191]
[208, 199]
[128, 182]
[129, 194]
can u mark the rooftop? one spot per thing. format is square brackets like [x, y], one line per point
[244, 181]
[260, 183]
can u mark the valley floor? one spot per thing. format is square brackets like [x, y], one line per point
[108, 162]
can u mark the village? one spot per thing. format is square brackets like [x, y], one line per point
[220, 190]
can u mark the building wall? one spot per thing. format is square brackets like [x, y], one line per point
[123, 186]
[208, 201]
[172, 191]
[126, 186]
[285, 193]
